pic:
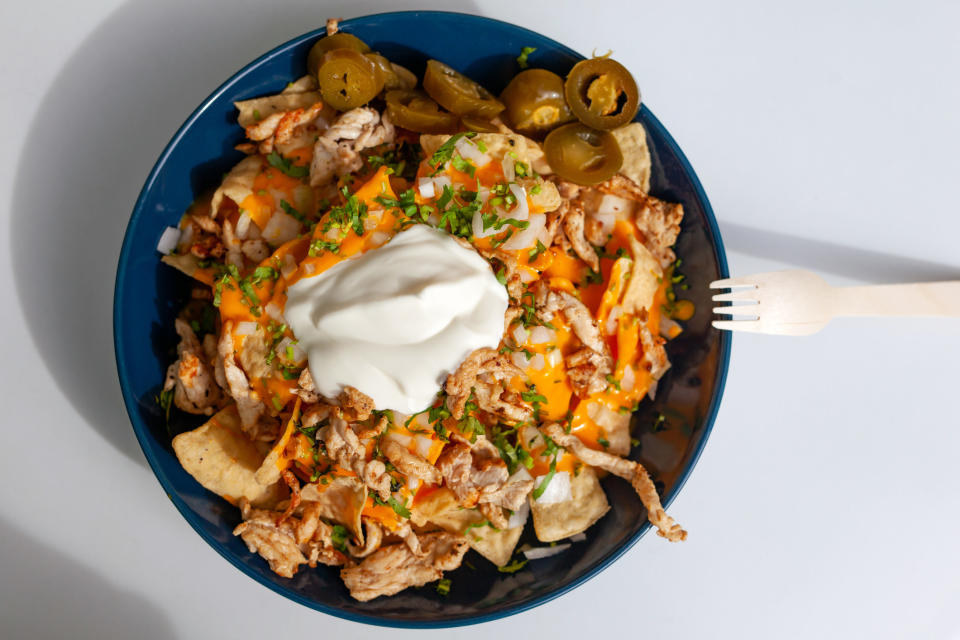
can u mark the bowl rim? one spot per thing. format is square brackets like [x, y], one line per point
[142, 432]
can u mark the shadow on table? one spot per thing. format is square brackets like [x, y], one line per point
[874, 267]
[46, 594]
[111, 109]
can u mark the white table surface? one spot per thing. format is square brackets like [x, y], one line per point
[826, 503]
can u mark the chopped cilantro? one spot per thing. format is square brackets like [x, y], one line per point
[502, 276]
[537, 250]
[398, 507]
[444, 152]
[318, 246]
[264, 273]
[339, 537]
[514, 566]
[613, 381]
[286, 166]
[301, 218]
[524, 54]
[443, 586]
[603, 442]
[464, 165]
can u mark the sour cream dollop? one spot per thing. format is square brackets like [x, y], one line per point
[394, 321]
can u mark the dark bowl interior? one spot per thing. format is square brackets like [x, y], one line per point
[148, 295]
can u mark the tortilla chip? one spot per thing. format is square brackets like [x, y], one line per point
[341, 501]
[636, 155]
[225, 461]
[275, 462]
[435, 503]
[189, 264]
[253, 354]
[498, 145]
[255, 110]
[561, 520]
[238, 184]
[644, 279]
[616, 426]
[301, 85]
[495, 545]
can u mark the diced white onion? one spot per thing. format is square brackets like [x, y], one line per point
[274, 312]
[669, 327]
[542, 335]
[400, 438]
[372, 219]
[520, 334]
[288, 267]
[530, 437]
[520, 475]
[470, 152]
[613, 205]
[309, 268]
[522, 210]
[537, 362]
[536, 553]
[243, 225]
[245, 328]
[528, 237]
[187, 237]
[629, 378]
[168, 240]
[554, 358]
[299, 355]
[440, 183]
[652, 390]
[578, 537]
[281, 228]
[413, 483]
[520, 359]
[479, 231]
[426, 187]
[519, 517]
[379, 238]
[509, 168]
[558, 490]
[528, 275]
[423, 444]
[611, 325]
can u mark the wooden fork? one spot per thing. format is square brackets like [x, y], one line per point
[798, 303]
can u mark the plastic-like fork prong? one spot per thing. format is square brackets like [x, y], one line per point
[738, 295]
[751, 326]
[730, 283]
[738, 310]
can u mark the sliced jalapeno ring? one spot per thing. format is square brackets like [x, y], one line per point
[601, 93]
[535, 103]
[347, 79]
[583, 155]
[457, 93]
[480, 125]
[339, 40]
[415, 111]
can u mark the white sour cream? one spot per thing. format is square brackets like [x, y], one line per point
[394, 321]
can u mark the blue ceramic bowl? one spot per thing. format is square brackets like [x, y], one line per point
[148, 295]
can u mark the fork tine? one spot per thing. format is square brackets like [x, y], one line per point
[750, 310]
[730, 283]
[738, 295]
[750, 326]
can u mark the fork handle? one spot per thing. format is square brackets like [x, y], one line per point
[918, 299]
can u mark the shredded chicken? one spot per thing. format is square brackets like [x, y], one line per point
[410, 464]
[472, 470]
[658, 221]
[281, 127]
[373, 537]
[573, 223]
[588, 367]
[494, 515]
[337, 151]
[192, 377]
[393, 568]
[511, 495]
[305, 389]
[654, 354]
[249, 405]
[632, 472]
[276, 543]
[356, 405]
[482, 374]
[343, 446]
[333, 25]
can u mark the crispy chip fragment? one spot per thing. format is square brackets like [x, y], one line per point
[224, 460]
[561, 520]
[632, 139]
[341, 501]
